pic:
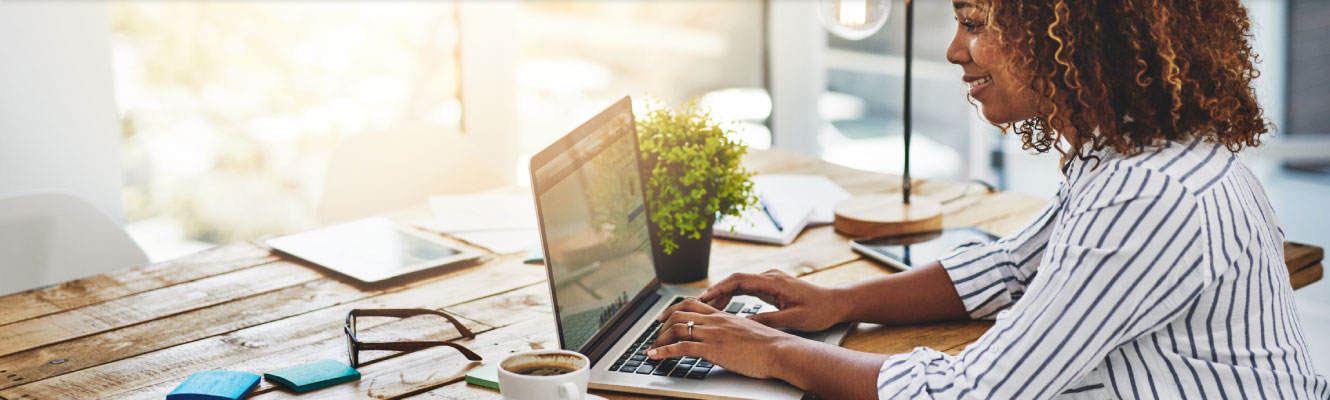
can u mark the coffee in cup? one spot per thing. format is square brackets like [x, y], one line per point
[544, 374]
[543, 369]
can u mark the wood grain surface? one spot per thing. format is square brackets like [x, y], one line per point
[137, 333]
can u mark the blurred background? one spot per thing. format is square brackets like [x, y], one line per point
[199, 123]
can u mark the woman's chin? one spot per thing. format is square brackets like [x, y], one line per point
[999, 115]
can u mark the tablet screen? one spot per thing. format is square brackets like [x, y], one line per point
[904, 251]
[369, 250]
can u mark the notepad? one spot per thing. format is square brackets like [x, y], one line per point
[794, 201]
[773, 221]
[315, 375]
[816, 190]
[215, 385]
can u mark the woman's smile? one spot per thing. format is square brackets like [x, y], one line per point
[977, 84]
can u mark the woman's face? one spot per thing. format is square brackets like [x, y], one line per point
[990, 82]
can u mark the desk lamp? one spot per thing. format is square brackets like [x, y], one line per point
[880, 214]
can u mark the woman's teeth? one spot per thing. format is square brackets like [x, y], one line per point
[975, 83]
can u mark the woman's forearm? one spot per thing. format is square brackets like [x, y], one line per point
[828, 371]
[923, 294]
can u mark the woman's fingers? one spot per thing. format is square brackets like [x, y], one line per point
[775, 319]
[688, 305]
[761, 286]
[675, 329]
[680, 349]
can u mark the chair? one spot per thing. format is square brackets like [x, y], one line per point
[48, 237]
[376, 173]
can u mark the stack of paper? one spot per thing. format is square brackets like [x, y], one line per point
[775, 222]
[816, 190]
[503, 222]
[788, 204]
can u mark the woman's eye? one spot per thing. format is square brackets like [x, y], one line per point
[970, 24]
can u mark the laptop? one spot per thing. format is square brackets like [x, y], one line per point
[589, 195]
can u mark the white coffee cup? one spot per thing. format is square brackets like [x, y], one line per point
[569, 385]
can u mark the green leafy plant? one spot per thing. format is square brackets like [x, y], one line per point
[695, 171]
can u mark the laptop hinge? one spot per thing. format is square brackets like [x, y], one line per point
[619, 325]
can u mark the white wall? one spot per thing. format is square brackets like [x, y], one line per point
[58, 123]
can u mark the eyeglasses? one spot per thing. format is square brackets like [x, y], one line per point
[354, 345]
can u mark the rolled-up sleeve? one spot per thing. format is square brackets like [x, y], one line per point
[1126, 263]
[991, 276]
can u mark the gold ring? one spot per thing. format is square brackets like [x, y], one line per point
[690, 331]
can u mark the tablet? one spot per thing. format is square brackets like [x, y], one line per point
[373, 250]
[904, 251]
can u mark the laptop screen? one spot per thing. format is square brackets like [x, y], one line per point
[594, 223]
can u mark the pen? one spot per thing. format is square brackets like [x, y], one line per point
[771, 216]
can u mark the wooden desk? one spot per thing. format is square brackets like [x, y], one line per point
[138, 333]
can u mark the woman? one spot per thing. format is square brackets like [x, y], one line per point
[1157, 271]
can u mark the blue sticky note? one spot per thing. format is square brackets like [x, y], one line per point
[315, 375]
[215, 385]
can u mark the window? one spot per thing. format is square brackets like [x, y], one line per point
[230, 110]
[578, 57]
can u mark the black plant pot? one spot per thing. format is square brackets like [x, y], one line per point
[688, 263]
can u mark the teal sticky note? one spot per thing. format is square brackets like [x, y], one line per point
[215, 385]
[315, 375]
[487, 375]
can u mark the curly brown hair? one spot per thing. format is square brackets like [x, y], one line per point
[1125, 74]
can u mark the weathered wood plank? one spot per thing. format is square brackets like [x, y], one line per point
[1305, 276]
[1299, 256]
[844, 274]
[321, 329]
[848, 273]
[462, 391]
[500, 297]
[901, 338]
[904, 338]
[530, 303]
[508, 308]
[96, 289]
[525, 304]
[61, 358]
[531, 300]
[147, 306]
[423, 371]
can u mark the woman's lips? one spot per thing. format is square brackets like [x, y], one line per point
[978, 84]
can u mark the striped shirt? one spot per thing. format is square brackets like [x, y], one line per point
[1159, 275]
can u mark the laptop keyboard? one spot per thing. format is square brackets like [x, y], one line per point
[635, 361]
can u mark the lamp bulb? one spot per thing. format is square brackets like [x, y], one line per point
[853, 19]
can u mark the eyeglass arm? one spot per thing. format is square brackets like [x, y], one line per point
[407, 313]
[413, 346]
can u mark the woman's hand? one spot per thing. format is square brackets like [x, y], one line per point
[735, 343]
[746, 347]
[802, 306]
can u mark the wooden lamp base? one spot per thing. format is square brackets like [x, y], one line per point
[885, 215]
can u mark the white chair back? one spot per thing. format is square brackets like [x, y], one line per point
[50, 237]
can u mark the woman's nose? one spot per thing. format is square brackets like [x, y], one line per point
[958, 53]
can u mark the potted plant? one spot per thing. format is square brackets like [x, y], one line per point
[694, 177]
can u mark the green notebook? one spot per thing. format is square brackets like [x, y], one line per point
[487, 375]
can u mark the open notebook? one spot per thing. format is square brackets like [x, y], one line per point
[759, 225]
[796, 201]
